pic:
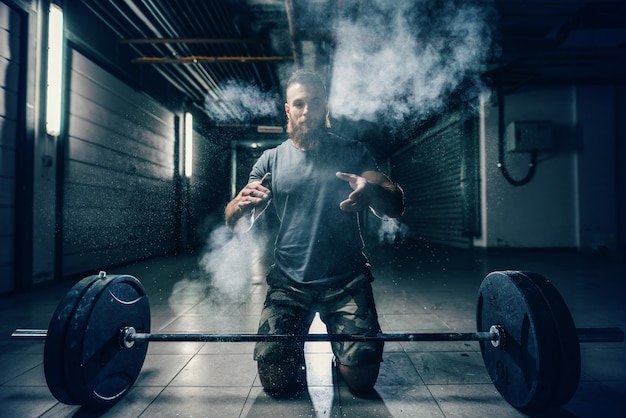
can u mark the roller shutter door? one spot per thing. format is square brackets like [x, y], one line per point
[434, 172]
[118, 186]
[10, 133]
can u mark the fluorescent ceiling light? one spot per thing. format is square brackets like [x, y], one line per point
[188, 144]
[54, 92]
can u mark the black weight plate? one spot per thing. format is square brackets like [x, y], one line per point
[525, 369]
[101, 371]
[569, 355]
[54, 347]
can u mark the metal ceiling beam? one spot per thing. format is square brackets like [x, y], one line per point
[191, 41]
[202, 59]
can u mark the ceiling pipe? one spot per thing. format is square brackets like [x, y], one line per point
[296, 45]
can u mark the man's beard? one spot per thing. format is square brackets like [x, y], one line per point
[303, 135]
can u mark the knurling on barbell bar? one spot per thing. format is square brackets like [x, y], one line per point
[129, 336]
[98, 337]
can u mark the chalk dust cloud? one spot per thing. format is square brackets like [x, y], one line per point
[402, 59]
[240, 102]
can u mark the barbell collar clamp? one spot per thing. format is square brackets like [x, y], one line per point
[500, 336]
[127, 337]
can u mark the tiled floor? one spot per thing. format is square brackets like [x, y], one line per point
[417, 290]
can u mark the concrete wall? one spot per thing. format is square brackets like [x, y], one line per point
[571, 199]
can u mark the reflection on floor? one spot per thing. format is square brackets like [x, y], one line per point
[417, 290]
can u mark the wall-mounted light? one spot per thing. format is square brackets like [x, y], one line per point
[54, 92]
[188, 144]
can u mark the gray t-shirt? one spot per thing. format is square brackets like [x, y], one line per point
[317, 243]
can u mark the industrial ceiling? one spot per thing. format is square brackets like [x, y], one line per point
[229, 57]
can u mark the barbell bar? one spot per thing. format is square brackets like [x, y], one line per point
[129, 336]
[97, 339]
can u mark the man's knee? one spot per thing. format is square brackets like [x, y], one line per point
[360, 379]
[285, 376]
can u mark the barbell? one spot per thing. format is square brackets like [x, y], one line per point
[97, 340]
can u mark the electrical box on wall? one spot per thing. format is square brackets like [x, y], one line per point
[529, 136]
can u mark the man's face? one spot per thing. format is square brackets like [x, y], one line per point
[306, 109]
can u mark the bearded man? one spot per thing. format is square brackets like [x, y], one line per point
[315, 184]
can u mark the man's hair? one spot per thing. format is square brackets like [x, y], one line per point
[308, 78]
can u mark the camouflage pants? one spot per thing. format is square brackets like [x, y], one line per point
[346, 310]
